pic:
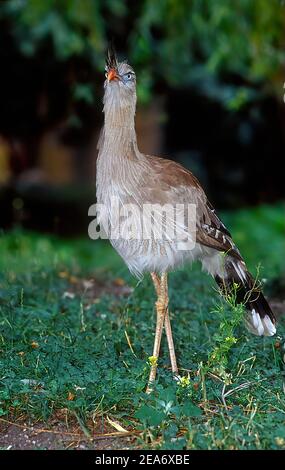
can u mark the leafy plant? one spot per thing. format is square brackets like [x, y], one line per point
[202, 42]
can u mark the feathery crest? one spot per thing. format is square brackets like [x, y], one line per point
[111, 58]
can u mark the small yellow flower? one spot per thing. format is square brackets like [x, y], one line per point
[152, 360]
[231, 339]
[34, 344]
[184, 381]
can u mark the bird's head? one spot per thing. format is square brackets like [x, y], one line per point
[120, 83]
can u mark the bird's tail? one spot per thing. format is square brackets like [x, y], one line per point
[260, 319]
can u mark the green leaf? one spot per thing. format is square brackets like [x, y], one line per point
[150, 416]
[190, 410]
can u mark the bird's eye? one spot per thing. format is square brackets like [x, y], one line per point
[129, 76]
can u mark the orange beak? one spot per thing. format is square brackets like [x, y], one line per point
[112, 75]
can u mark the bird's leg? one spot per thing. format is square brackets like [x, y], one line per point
[161, 308]
[170, 342]
[167, 325]
[156, 282]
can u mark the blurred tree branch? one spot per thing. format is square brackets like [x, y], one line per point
[226, 48]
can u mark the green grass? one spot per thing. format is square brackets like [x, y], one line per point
[54, 347]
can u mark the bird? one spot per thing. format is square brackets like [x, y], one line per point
[130, 182]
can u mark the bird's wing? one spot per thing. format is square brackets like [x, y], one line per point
[175, 184]
[214, 234]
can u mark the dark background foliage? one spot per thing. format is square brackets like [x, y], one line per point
[210, 95]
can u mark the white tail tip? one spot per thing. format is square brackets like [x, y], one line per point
[259, 326]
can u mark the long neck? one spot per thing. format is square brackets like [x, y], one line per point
[119, 136]
[118, 116]
[119, 161]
